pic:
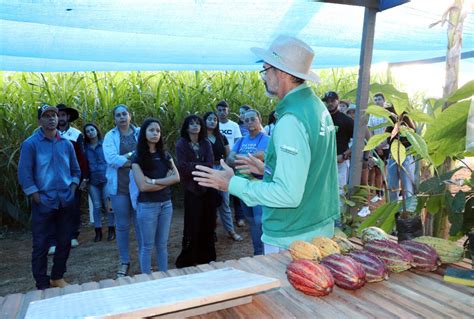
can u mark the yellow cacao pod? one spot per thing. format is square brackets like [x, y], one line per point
[344, 244]
[300, 249]
[326, 246]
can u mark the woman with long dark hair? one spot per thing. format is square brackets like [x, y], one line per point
[96, 180]
[193, 149]
[220, 148]
[153, 171]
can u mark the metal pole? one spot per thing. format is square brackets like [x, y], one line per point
[361, 119]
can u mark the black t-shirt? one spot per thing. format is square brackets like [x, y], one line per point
[158, 169]
[218, 147]
[344, 130]
[404, 122]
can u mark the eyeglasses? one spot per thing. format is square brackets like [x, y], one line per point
[263, 72]
[250, 119]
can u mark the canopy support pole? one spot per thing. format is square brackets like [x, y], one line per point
[360, 124]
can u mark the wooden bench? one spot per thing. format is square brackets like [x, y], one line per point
[410, 294]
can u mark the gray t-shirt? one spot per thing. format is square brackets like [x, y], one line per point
[127, 145]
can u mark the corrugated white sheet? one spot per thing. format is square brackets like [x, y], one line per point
[115, 35]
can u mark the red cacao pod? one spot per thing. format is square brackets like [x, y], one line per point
[347, 273]
[395, 257]
[425, 257]
[374, 267]
[310, 277]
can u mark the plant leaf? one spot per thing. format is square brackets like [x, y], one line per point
[375, 141]
[433, 205]
[418, 144]
[420, 117]
[459, 202]
[435, 185]
[398, 152]
[464, 92]
[379, 215]
[379, 112]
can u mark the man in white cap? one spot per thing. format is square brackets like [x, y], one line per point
[299, 190]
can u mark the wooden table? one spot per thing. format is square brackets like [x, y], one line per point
[410, 294]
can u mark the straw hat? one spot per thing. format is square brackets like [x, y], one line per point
[290, 55]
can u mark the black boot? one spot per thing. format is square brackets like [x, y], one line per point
[98, 234]
[111, 233]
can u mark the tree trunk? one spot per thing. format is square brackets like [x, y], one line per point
[456, 14]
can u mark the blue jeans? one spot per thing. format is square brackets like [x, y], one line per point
[393, 177]
[154, 221]
[46, 223]
[225, 213]
[224, 209]
[254, 216]
[97, 194]
[239, 214]
[124, 216]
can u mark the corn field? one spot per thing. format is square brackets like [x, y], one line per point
[168, 96]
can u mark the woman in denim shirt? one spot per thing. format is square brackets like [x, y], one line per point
[96, 180]
[153, 171]
[119, 144]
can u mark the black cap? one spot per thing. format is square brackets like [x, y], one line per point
[330, 95]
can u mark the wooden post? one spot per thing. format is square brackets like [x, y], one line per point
[363, 85]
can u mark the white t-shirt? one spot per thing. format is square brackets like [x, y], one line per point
[375, 121]
[231, 130]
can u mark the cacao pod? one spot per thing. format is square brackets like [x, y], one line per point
[372, 233]
[395, 257]
[310, 278]
[424, 256]
[347, 273]
[338, 232]
[448, 251]
[375, 269]
[300, 249]
[326, 246]
[344, 244]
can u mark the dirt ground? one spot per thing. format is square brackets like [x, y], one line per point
[97, 261]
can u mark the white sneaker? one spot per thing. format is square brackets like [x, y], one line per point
[365, 211]
[74, 243]
[52, 250]
[375, 199]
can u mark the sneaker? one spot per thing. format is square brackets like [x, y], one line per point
[365, 211]
[235, 236]
[123, 270]
[59, 283]
[74, 243]
[375, 199]
[241, 223]
[52, 250]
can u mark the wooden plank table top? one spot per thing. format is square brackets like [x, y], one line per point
[410, 294]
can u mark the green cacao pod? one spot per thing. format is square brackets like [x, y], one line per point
[448, 251]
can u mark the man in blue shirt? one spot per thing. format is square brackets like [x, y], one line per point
[49, 174]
